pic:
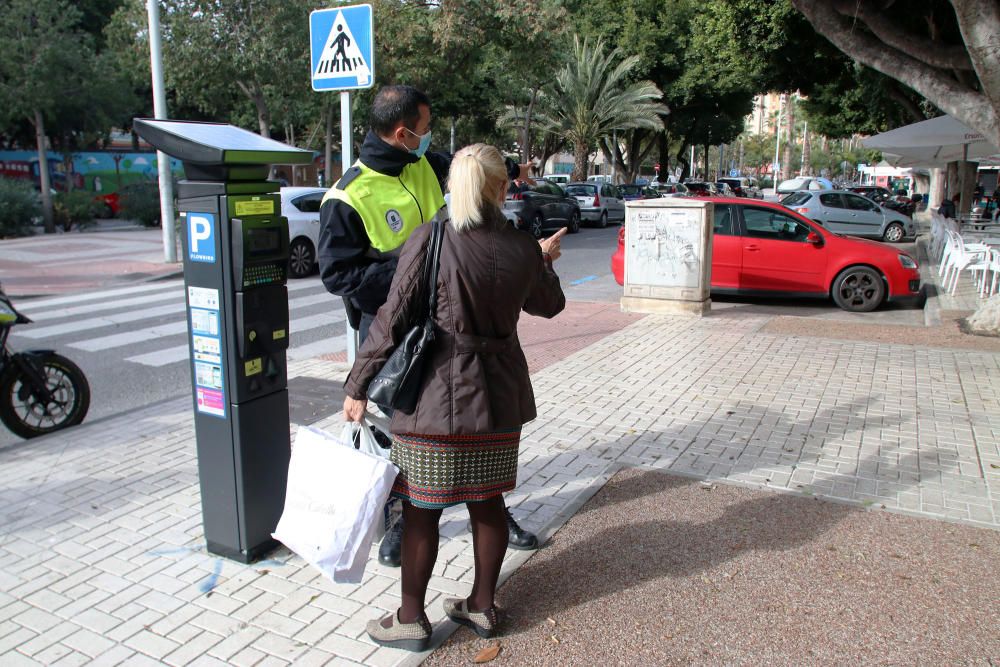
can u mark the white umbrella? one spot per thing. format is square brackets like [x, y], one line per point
[931, 143]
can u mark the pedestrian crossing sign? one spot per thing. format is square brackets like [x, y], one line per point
[342, 48]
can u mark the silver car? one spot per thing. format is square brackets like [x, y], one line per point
[847, 213]
[599, 202]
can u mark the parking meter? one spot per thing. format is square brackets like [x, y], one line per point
[235, 263]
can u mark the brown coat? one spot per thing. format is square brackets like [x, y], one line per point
[477, 379]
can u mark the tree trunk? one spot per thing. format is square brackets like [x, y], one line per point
[526, 132]
[451, 138]
[256, 95]
[806, 166]
[663, 151]
[43, 173]
[685, 165]
[936, 195]
[979, 23]
[580, 154]
[786, 168]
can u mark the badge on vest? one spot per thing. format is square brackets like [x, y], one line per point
[394, 220]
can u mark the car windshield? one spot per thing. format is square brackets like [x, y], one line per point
[731, 182]
[796, 198]
[581, 190]
[630, 189]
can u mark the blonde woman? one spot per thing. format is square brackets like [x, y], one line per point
[460, 443]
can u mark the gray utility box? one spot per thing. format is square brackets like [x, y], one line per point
[668, 256]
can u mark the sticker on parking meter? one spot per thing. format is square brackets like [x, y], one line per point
[253, 367]
[204, 322]
[210, 401]
[203, 297]
[265, 207]
[201, 237]
[206, 348]
[208, 375]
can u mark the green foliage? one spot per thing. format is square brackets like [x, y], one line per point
[19, 207]
[140, 202]
[75, 208]
[592, 96]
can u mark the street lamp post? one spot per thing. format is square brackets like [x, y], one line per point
[160, 113]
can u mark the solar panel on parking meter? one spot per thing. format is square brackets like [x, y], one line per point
[235, 259]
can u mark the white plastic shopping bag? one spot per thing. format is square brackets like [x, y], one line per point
[363, 439]
[333, 504]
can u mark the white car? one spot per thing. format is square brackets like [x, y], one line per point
[561, 179]
[301, 207]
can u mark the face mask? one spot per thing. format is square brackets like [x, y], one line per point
[425, 141]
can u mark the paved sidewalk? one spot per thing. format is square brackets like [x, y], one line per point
[73, 262]
[101, 550]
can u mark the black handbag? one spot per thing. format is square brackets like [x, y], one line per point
[397, 385]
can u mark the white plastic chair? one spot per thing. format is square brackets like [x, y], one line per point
[993, 266]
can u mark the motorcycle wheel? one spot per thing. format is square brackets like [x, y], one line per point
[26, 415]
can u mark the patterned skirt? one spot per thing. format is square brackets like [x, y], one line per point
[438, 471]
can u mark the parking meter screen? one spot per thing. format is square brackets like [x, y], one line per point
[263, 241]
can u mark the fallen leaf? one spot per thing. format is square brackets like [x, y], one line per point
[487, 654]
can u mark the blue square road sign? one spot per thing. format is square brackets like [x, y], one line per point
[342, 48]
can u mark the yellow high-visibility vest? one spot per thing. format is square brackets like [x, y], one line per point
[391, 207]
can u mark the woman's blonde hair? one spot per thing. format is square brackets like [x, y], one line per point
[477, 178]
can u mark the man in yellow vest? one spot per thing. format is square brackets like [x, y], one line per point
[365, 218]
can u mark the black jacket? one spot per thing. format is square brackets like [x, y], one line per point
[345, 266]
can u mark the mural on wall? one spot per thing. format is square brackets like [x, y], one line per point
[98, 172]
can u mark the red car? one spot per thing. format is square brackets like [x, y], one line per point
[765, 248]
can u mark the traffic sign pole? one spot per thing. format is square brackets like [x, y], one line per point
[342, 47]
[346, 144]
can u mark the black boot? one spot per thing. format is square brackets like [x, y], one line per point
[392, 543]
[517, 537]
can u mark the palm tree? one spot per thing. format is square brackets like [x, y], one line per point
[592, 97]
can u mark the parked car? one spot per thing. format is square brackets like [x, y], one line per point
[764, 248]
[744, 186]
[671, 189]
[885, 197]
[542, 206]
[847, 213]
[301, 206]
[558, 179]
[633, 191]
[598, 202]
[701, 188]
[724, 190]
[803, 183]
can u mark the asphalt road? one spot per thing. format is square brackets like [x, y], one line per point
[132, 345]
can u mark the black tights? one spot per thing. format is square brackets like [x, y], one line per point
[420, 547]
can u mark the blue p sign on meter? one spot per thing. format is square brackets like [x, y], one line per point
[342, 48]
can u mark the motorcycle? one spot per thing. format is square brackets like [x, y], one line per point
[40, 391]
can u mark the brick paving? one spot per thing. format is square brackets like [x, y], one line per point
[101, 551]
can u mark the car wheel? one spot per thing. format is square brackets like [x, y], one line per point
[107, 212]
[537, 225]
[858, 289]
[894, 233]
[301, 258]
[574, 222]
[603, 222]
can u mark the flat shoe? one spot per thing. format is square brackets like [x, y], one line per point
[483, 623]
[407, 636]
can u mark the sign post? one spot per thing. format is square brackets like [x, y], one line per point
[342, 50]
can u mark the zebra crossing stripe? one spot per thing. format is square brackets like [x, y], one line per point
[31, 308]
[105, 321]
[130, 337]
[174, 328]
[177, 353]
[37, 305]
